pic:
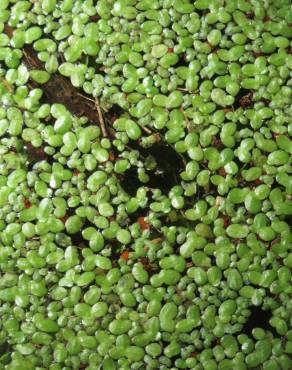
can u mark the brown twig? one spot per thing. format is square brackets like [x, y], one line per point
[146, 129]
[100, 116]
[60, 90]
[86, 97]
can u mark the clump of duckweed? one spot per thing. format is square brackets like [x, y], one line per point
[145, 184]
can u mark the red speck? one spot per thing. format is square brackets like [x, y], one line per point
[76, 172]
[125, 255]
[275, 135]
[226, 221]
[267, 18]
[170, 50]
[194, 354]
[27, 203]
[250, 15]
[111, 157]
[144, 225]
[258, 182]
[222, 172]
[64, 218]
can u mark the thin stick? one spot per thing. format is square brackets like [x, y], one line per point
[100, 116]
[86, 97]
[146, 129]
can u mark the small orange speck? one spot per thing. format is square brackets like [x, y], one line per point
[143, 224]
[125, 255]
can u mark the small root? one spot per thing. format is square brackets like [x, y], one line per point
[101, 119]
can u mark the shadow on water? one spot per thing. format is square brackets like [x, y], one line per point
[163, 177]
[243, 99]
[258, 319]
[5, 353]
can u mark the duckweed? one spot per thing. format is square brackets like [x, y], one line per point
[145, 184]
